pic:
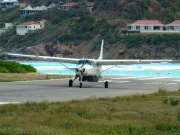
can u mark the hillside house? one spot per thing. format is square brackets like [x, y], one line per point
[149, 26]
[29, 10]
[28, 27]
[174, 26]
[146, 25]
[67, 6]
[52, 5]
[90, 6]
[7, 27]
[8, 4]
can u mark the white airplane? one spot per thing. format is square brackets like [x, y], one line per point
[89, 69]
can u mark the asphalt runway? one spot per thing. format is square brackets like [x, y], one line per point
[58, 90]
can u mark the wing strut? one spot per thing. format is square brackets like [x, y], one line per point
[108, 68]
[73, 69]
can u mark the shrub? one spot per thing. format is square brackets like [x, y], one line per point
[162, 90]
[174, 101]
[165, 101]
[178, 116]
[166, 127]
[3, 70]
[15, 67]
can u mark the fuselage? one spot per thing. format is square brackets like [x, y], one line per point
[89, 70]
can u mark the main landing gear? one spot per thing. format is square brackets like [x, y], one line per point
[70, 83]
[106, 84]
[80, 84]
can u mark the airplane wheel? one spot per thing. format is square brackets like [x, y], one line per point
[80, 85]
[70, 83]
[106, 84]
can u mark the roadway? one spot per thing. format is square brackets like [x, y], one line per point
[58, 90]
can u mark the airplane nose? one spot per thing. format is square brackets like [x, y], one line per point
[80, 69]
[77, 70]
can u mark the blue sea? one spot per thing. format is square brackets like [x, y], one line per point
[153, 69]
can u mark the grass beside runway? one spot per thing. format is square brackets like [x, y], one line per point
[9, 77]
[128, 115]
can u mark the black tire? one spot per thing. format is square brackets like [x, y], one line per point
[106, 84]
[80, 85]
[70, 83]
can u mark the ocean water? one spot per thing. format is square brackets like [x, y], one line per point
[153, 69]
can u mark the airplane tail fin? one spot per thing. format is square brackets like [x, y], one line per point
[101, 52]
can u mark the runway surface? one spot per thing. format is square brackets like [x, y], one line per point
[58, 90]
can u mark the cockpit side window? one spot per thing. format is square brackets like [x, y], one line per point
[86, 62]
[81, 62]
[89, 62]
[92, 63]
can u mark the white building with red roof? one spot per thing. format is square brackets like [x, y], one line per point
[31, 26]
[149, 26]
[174, 26]
[7, 27]
[67, 6]
[146, 25]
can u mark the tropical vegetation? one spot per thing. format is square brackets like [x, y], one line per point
[15, 67]
[78, 24]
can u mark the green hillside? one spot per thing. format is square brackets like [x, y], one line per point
[78, 25]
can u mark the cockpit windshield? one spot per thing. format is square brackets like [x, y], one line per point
[88, 62]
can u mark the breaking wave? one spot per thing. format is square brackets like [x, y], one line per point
[160, 66]
[166, 69]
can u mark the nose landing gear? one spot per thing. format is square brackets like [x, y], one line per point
[106, 84]
[71, 81]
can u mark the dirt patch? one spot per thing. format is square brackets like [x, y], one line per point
[29, 76]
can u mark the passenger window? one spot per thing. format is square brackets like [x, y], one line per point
[80, 62]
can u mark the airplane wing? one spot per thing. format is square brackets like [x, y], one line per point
[128, 61]
[101, 61]
[156, 61]
[66, 60]
[98, 61]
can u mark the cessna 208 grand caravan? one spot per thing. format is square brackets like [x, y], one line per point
[89, 69]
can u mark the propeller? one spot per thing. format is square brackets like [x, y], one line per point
[81, 70]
